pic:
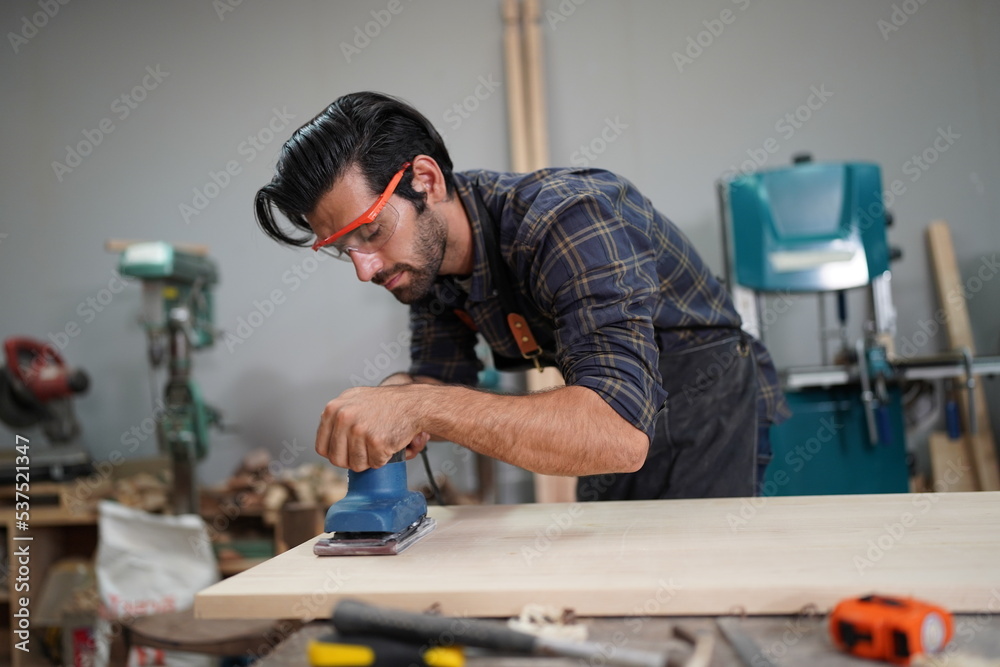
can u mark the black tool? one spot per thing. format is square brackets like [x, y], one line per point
[352, 617]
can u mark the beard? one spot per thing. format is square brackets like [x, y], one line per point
[432, 238]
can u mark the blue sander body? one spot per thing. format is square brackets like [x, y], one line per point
[378, 516]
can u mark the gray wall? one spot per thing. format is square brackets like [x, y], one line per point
[613, 68]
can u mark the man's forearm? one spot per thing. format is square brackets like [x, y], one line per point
[565, 431]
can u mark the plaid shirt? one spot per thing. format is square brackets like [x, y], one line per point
[603, 279]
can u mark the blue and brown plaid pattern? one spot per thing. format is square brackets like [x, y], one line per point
[604, 280]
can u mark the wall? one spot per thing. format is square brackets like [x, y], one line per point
[670, 94]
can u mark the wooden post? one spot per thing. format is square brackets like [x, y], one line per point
[947, 456]
[514, 65]
[534, 79]
[981, 445]
[529, 151]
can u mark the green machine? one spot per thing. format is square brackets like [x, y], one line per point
[820, 228]
[177, 315]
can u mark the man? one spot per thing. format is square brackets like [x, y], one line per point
[665, 396]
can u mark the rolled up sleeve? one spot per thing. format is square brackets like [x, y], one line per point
[597, 274]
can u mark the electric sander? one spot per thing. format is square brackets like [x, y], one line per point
[378, 516]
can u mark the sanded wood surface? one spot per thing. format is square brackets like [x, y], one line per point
[713, 556]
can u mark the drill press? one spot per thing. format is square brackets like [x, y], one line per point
[177, 316]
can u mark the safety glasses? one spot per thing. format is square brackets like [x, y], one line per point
[369, 232]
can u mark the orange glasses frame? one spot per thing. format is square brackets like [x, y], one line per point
[368, 216]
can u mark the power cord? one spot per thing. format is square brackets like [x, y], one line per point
[430, 478]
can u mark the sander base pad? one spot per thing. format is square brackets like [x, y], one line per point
[374, 544]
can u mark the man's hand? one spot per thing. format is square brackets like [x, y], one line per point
[418, 444]
[363, 427]
[566, 431]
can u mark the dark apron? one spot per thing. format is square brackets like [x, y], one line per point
[706, 438]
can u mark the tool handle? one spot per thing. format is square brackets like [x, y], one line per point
[952, 419]
[333, 650]
[354, 617]
[842, 307]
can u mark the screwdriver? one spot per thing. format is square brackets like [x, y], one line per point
[334, 650]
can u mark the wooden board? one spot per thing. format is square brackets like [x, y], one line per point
[712, 556]
[951, 300]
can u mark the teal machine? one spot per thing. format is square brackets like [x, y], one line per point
[820, 228]
[177, 316]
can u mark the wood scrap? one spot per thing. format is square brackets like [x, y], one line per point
[261, 486]
[144, 491]
[548, 621]
[246, 512]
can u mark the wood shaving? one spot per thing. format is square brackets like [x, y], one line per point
[544, 621]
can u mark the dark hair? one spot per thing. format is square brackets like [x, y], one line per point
[376, 132]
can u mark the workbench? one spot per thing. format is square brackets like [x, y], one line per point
[784, 640]
[626, 566]
[664, 557]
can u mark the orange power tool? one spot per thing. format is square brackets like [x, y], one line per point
[893, 629]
